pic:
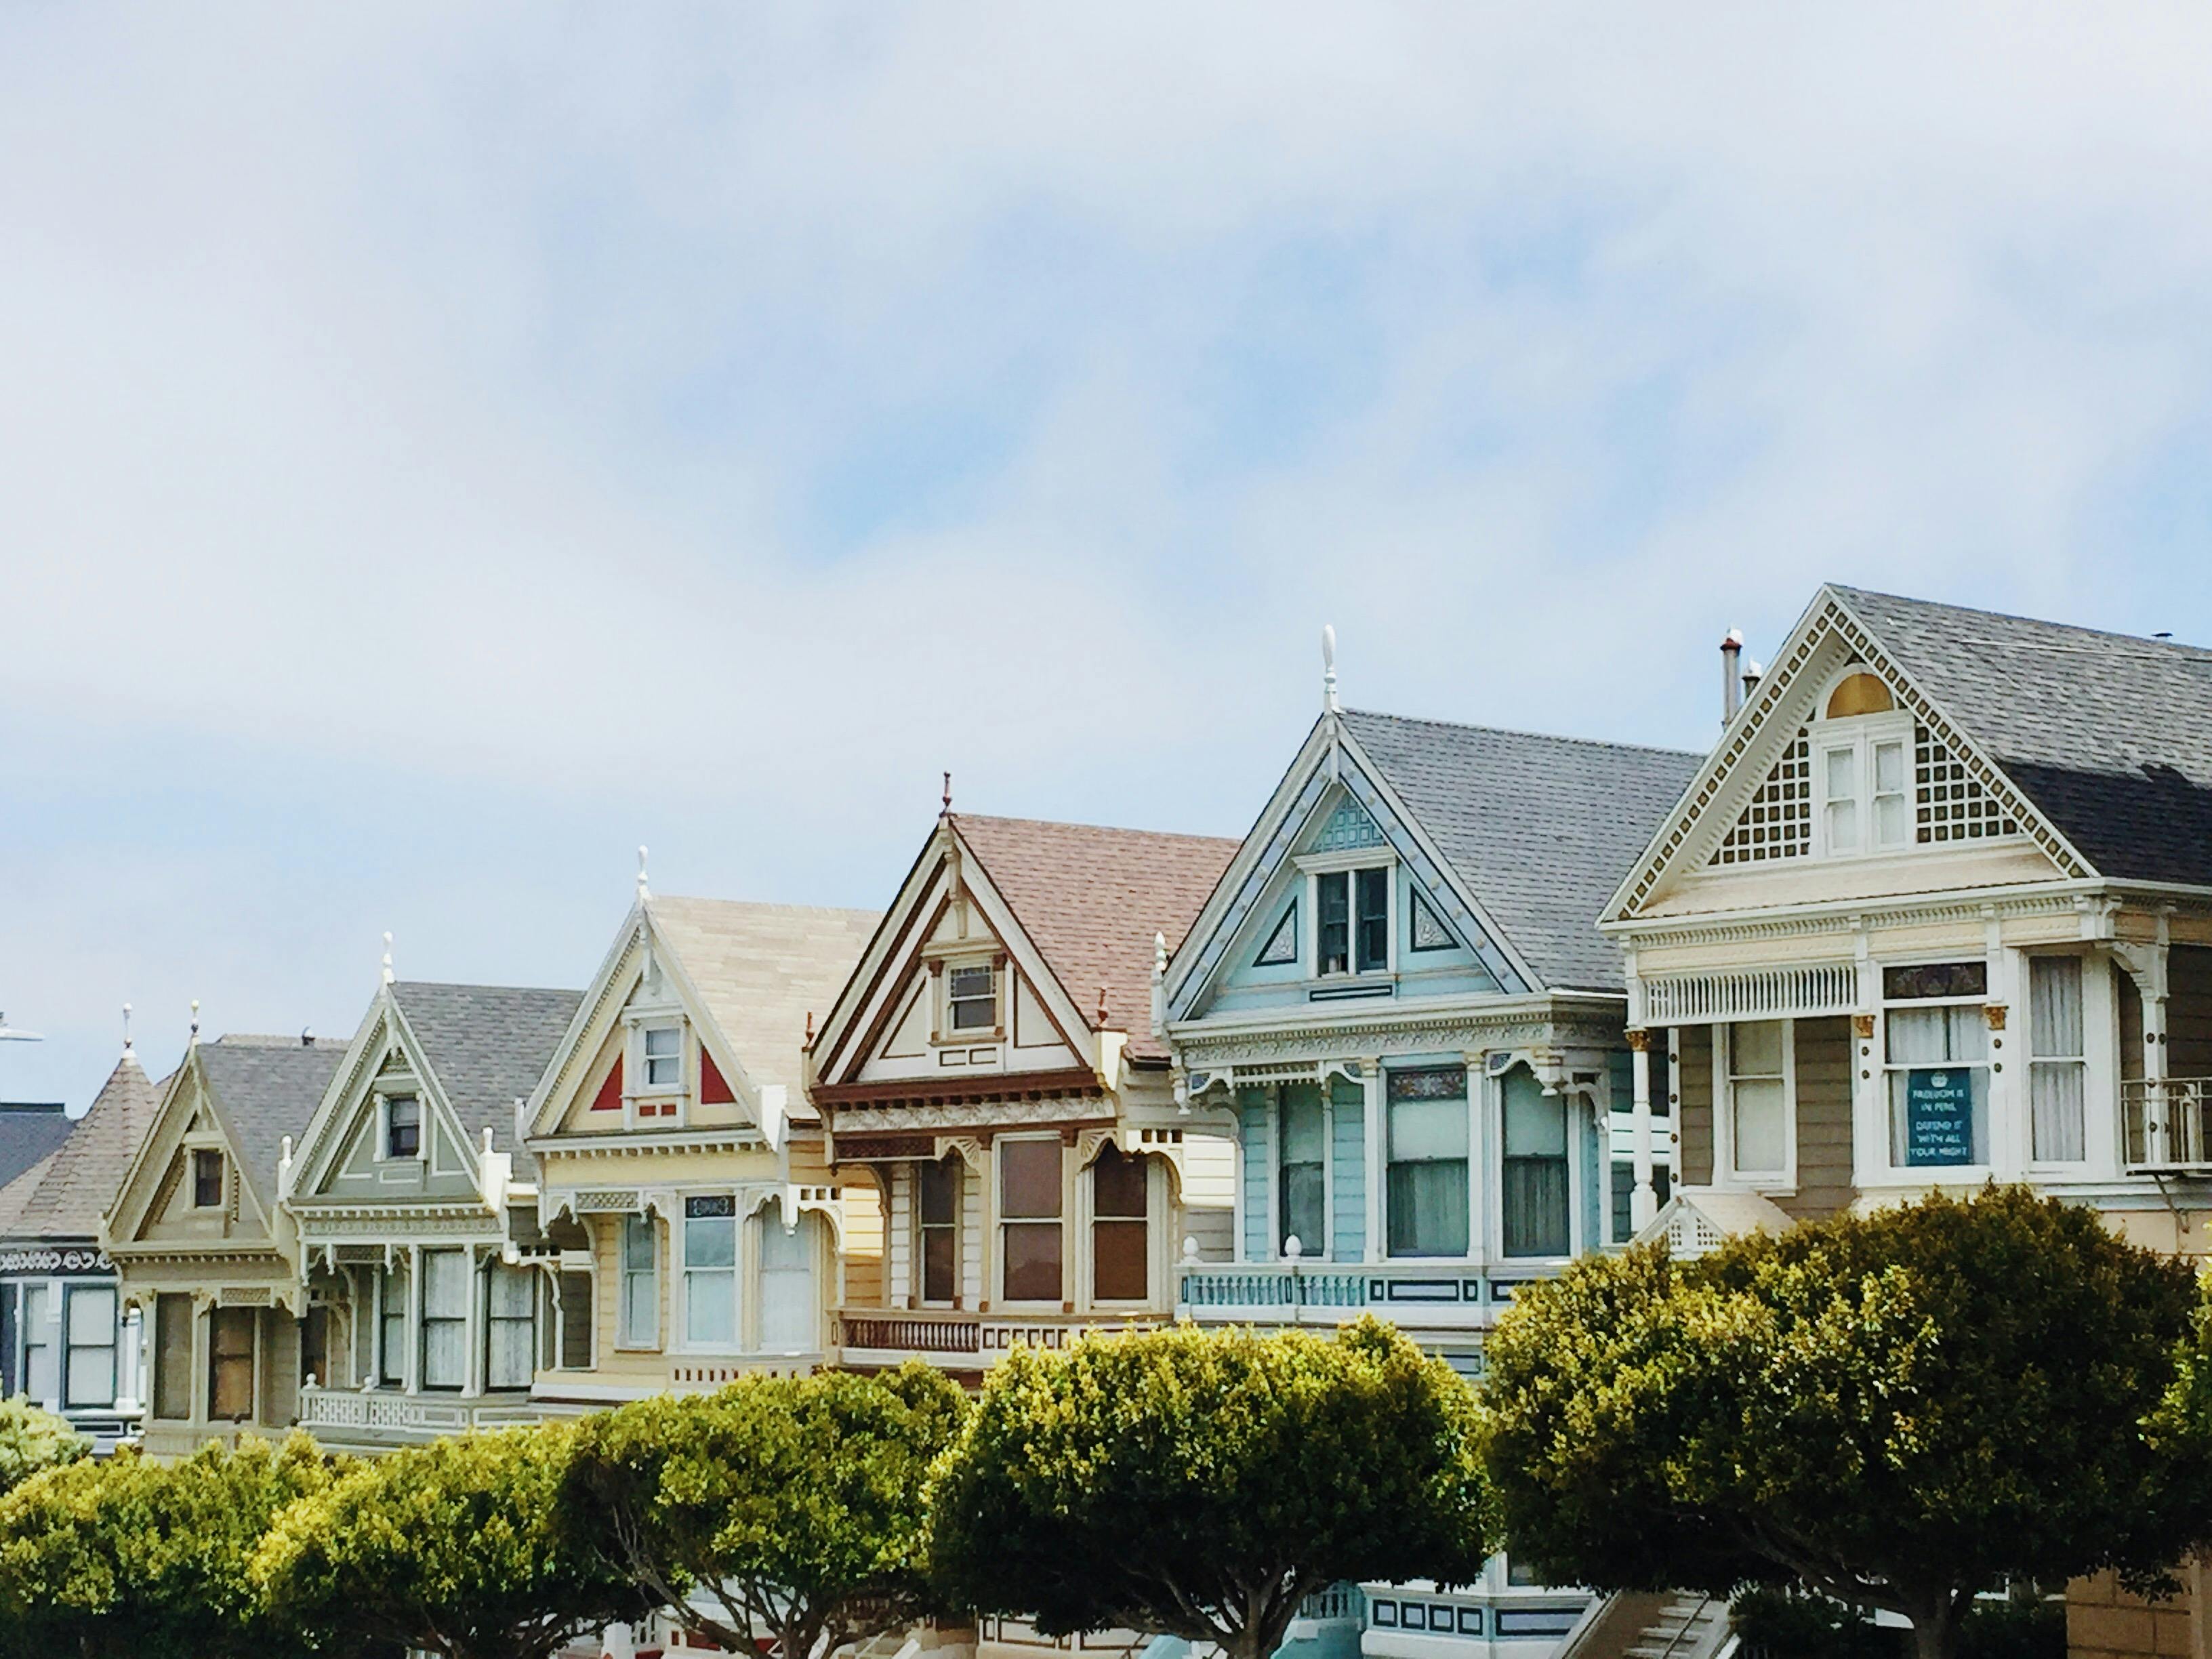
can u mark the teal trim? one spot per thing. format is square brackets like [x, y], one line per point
[1253, 1154]
[1348, 828]
[1348, 1127]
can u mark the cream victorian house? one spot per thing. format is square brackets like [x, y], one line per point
[684, 1213]
[405, 1189]
[204, 1251]
[998, 1100]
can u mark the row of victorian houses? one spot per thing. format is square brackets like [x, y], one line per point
[1462, 1004]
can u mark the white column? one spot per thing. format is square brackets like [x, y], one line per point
[410, 1368]
[128, 1399]
[1643, 1201]
[1378, 1135]
[473, 1379]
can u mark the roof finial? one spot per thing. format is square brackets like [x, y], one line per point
[947, 812]
[1328, 703]
[126, 1028]
[810, 1028]
[1102, 1007]
[387, 958]
[195, 1036]
[642, 894]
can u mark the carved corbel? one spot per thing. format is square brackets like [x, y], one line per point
[969, 1147]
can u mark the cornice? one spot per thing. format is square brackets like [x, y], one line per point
[1060, 1111]
[636, 1143]
[1820, 916]
[1566, 1030]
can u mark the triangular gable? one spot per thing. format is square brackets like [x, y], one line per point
[883, 1021]
[1697, 1222]
[337, 1158]
[152, 1203]
[1745, 802]
[1333, 798]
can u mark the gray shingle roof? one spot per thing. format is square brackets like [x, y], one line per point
[487, 1045]
[2108, 735]
[267, 1087]
[1541, 830]
[64, 1196]
[28, 1133]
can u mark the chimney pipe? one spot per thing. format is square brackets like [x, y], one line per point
[1753, 673]
[1731, 680]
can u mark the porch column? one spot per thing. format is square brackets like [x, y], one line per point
[410, 1371]
[128, 1401]
[1643, 1200]
[472, 1367]
[1374, 1126]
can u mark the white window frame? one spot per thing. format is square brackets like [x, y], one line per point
[966, 1036]
[70, 1346]
[1859, 735]
[1348, 863]
[680, 1336]
[1726, 1174]
[1487, 1231]
[1888, 1172]
[50, 1336]
[1000, 1221]
[385, 1103]
[626, 1340]
[643, 1101]
[958, 1167]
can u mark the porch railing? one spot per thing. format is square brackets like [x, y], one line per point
[2167, 1123]
[1421, 1292]
[380, 1414]
[988, 1336]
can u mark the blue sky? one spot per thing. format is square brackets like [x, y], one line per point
[443, 449]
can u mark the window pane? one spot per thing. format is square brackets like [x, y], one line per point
[1535, 1122]
[1755, 1048]
[395, 1325]
[511, 1292]
[172, 1357]
[787, 1318]
[403, 1122]
[1534, 1191]
[444, 1352]
[971, 983]
[1427, 1207]
[91, 1379]
[2055, 1005]
[508, 1360]
[91, 1315]
[1919, 1037]
[1935, 978]
[1302, 1123]
[1119, 1267]
[1891, 822]
[939, 1247]
[1840, 775]
[1334, 940]
[444, 1285]
[710, 1242]
[939, 1187]
[1888, 768]
[230, 1381]
[1032, 1270]
[1429, 1129]
[1118, 1185]
[710, 1309]
[2055, 1099]
[640, 1308]
[1029, 1176]
[1759, 1126]
[637, 1242]
[207, 1180]
[1373, 900]
[1301, 1202]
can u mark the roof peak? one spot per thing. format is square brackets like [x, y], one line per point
[1517, 732]
[964, 819]
[2149, 643]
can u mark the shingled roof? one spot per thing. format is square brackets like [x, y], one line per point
[487, 1045]
[2108, 735]
[267, 1087]
[1092, 899]
[65, 1193]
[1539, 829]
[28, 1132]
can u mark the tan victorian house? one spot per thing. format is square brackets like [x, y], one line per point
[205, 1250]
[991, 1081]
[684, 1206]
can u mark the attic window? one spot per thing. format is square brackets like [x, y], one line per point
[403, 1128]
[973, 993]
[664, 1056]
[1859, 694]
[207, 1180]
[1354, 908]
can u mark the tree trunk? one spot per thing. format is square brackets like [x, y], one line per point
[1935, 1631]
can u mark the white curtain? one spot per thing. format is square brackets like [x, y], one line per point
[788, 1321]
[444, 1318]
[2055, 1070]
[1921, 1037]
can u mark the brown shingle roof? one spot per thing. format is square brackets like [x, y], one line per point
[64, 1195]
[1091, 899]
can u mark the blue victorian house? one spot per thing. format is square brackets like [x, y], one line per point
[1397, 1003]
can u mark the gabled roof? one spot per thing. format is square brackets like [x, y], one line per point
[28, 1133]
[266, 1088]
[64, 1194]
[486, 1045]
[2108, 735]
[1539, 829]
[1092, 899]
[760, 970]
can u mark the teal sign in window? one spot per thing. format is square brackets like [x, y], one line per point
[1939, 1116]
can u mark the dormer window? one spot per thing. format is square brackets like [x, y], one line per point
[403, 1128]
[664, 1057]
[1354, 911]
[1862, 767]
[207, 1180]
[972, 994]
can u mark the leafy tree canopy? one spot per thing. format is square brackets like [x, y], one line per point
[1898, 1410]
[1204, 1483]
[788, 1505]
[31, 1439]
[128, 1560]
[454, 1547]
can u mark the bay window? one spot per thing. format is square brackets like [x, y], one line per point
[1301, 1133]
[788, 1322]
[1758, 1080]
[640, 1284]
[1029, 1200]
[2057, 1065]
[444, 1318]
[710, 1272]
[510, 1328]
[1533, 1185]
[938, 1185]
[1425, 1184]
[1120, 1254]
[1936, 1064]
[392, 1325]
[88, 1339]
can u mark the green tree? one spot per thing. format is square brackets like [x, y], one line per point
[1204, 1483]
[1899, 1411]
[789, 1505]
[455, 1548]
[31, 1439]
[129, 1559]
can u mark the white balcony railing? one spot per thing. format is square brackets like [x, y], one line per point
[869, 1336]
[2168, 1123]
[1435, 1294]
[384, 1416]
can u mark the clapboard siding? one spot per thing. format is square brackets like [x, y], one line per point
[2188, 1011]
[1695, 1086]
[1824, 1119]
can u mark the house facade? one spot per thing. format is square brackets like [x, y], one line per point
[684, 1215]
[67, 1341]
[1397, 1003]
[998, 1104]
[405, 1192]
[205, 1254]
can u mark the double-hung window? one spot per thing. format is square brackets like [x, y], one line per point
[664, 1056]
[392, 1325]
[172, 1357]
[789, 1321]
[88, 1333]
[1534, 1188]
[1425, 1185]
[640, 1284]
[444, 1318]
[2058, 1064]
[1864, 771]
[1029, 1208]
[972, 998]
[230, 1363]
[510, 1328]
[1120, 1255]
[41, 1369]
[710, 1272]
[1301, 1131]
[1936, 1060]
[207, 1180]
[402, 1126]
[1354, 908]
[938, 1196]
[1758, 1082]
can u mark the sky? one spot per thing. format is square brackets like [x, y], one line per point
[444, 447]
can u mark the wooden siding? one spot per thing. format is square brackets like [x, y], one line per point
[2131, 1031]
[1695, 1151]
[2188, 1011]
[1824, 1119]
[864, 1204]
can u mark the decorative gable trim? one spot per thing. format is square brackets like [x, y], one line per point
[323, 1143]
[1691, 837]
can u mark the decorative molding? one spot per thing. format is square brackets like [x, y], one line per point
[1246, 1052]
[992, 1114]
[1799, 990]
[71, 1261]
[1899, 911]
